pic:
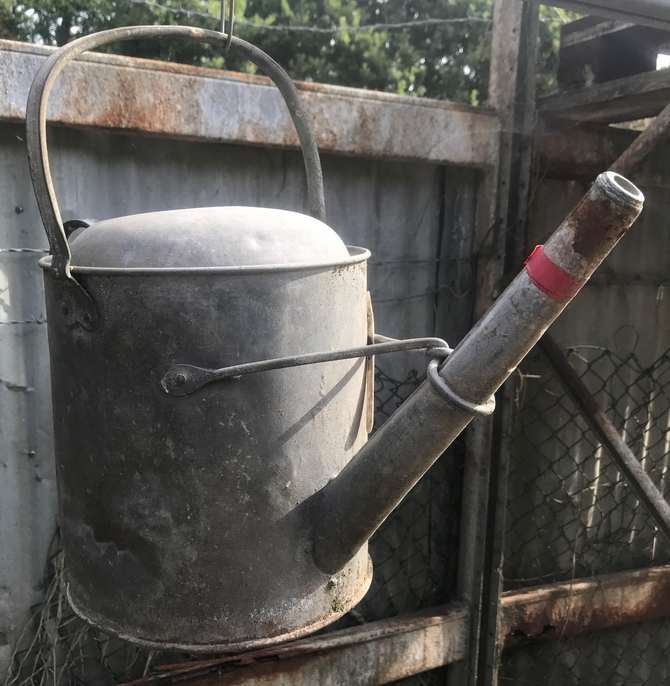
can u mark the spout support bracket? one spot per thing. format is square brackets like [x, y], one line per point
[446, 392]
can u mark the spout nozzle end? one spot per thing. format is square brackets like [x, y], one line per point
[620, 190]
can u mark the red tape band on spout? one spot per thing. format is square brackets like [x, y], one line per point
[551, 279]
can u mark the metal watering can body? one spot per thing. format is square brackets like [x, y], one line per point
[186, 519]
[212, 386]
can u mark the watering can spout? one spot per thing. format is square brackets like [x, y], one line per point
[358, 500]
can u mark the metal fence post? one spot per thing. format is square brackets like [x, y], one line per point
[512, 94]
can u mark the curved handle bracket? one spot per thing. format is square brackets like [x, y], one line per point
[77, 302]
[77, 306]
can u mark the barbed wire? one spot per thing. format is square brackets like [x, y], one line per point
[12, 322]
[316, 29]
[32, 250]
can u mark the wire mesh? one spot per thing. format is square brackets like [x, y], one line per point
[633, 655]
[59, 648]
[570, 513]
[411, 553]
[412, 550]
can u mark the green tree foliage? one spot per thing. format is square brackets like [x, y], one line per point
[8, 27]
[438, 60]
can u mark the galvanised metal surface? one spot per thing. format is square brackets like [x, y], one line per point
[27, 475]
[186, 520]
[77, 304]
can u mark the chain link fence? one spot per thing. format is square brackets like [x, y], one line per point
[413, 561]
[570, 514]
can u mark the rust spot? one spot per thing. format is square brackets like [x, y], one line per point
[271, 625]
[130, 100]
[558, 610]
[598, 224]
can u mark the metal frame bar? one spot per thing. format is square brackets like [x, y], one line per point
[646, 12]
[555, 611]
[625, 99]
[227, 107]
[512, 93]
[518, 189]
[375, 653]
[382, 652]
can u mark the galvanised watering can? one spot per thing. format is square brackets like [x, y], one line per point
[212, 392]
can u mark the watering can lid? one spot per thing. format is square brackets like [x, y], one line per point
[207, 237]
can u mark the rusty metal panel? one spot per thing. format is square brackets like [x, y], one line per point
[581, 152]
[105, 91]
[613, 629]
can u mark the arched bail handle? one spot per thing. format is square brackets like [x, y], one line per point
[36, 113]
